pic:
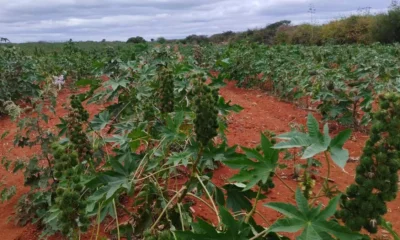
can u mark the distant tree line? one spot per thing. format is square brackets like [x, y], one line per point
[360, 29]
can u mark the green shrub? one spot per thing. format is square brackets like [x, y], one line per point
[137, 39]
[387, 26]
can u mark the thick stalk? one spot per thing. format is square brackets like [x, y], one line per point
[192, 175]
[209, 196]
[280, 179]
[259, 234]
[326, 182]
[250, 214]
[116, 220]
[98, 221]
[181, 217]
[166, 207]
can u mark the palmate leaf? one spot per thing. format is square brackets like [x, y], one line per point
[314, 222]
[340, 155]
[116, 83]
[237, 199]
[171, 131]
[225, 107]
[316, 142]
[112, 182]
[252, 172]
[100, 121]
[234, 230]
[181, 157]
[137, 137]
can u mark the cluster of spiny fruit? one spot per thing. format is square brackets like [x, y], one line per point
[167, 89]
[206, 122]
[68, 194]
[76, 117]
[376, 176]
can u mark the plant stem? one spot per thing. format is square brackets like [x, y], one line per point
[203, 201]
[248, 216]
[166, 207]
[259, 234]
[98, 221]
[280, 179]
[192, 175]
[326, 182]
[116, 219]
[125, 209]
[180, 216]
[261, 216]
[155, 173]
[209, 196]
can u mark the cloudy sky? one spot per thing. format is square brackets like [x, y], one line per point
[59, 20]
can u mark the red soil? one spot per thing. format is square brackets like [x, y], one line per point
[261, 112]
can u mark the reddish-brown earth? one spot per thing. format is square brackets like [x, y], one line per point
[261, 113]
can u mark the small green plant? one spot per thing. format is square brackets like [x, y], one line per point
[314, 142]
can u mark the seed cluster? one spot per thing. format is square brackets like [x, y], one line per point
[76, 117]
[68, 194]
[167, 89]
[307, 184]
[206, 122]
[376, 175]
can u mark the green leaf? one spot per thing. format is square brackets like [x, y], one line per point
[85, 82]
[295, 140]
[100, 121]
[313, 128]
[116, 83]
[237, 199]
[301, 201]
[340, 155]
[286, 209]
[314, 222]
[290, 225]
[224, 107]
[330, 210]
[137, 136]
[18, 165]
[315, 142]
[4, 135]
[234, 230]
[180, 157]
[253, 172]
[388, 226]
[313, 150]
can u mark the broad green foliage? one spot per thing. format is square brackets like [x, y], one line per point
[148, 154]
[340, 82]
[314, 222]
[19, 75]
[316, 142]
[258, 171]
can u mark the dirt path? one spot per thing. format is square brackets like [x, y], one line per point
[261, 112]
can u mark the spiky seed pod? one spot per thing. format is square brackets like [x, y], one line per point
[166, 79]
[206, 122]
[376, 177]
[68, 195]
[76, 117]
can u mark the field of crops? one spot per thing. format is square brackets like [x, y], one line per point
[238, 141]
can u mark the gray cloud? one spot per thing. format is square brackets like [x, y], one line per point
[34, 20]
